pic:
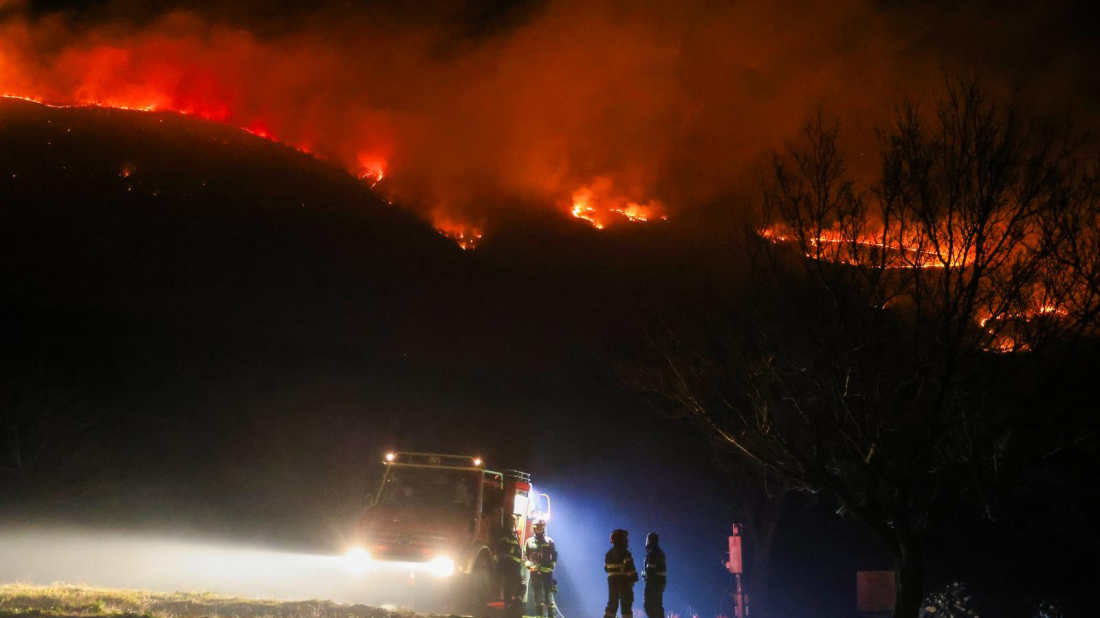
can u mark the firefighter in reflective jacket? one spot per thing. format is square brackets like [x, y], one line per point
[621, 576]
[510, 566]
[655, 578]
[542, 559]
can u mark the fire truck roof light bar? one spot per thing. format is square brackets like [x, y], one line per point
[434, 460]
[516, 474]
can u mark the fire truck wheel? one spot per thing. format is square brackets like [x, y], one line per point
[476, 590]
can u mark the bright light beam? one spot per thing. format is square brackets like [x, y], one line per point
[111, 560]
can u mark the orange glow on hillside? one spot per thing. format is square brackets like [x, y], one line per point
[875, 248]
[1005, 328]
[370, 168]
[445, 116]
[1029, 315]
[259, 129]
[1008, 330]
[597, 204]
[465, 236]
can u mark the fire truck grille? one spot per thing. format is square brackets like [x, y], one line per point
[406, 544]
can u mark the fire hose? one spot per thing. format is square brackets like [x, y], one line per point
[553, 591]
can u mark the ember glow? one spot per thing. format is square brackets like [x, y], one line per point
[1010, 331]
[597, 204]
[257, 129]
[878, 248]
[1006, 329]
[1027, 316]
[465, 236]
[372, 168]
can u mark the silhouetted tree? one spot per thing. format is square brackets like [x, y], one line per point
[895, 331]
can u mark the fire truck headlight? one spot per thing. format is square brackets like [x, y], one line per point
[442, 567]
[357, 558]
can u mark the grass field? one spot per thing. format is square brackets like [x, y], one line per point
[63, 600]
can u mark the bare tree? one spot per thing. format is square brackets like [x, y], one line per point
[891, 330]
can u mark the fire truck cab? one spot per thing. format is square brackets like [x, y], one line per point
[442, 515]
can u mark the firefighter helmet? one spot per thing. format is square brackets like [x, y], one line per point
[651, 539]
[539, 525]
[618, 537]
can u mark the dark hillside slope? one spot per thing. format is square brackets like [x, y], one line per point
[204, 323]
[162, 218]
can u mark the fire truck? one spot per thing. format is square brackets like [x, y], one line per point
[438, 518]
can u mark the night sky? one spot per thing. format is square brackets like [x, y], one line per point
[231, 326]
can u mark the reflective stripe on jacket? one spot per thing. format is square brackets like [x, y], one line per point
[541, 554]
[619, 563]
[508, 547]
[655, 563]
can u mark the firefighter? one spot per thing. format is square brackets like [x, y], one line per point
[655, 579]
[541, 560]
[510, 566]
[621, 576]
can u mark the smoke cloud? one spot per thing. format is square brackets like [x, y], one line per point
[654, 106]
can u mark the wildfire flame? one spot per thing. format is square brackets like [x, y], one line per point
[372, 176]
[372, 168]
[159, 72]
[889, 250]
[1028, 315]
[594, 203]
[874, 248]
[465, 236]
[598, 205]
[371, 171]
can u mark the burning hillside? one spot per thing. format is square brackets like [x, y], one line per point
[597, 204]
[604, 115]
[873, 246]
[975, 222]
[607, 112]
[465, 236]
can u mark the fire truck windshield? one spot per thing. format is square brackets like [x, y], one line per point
[430, 488]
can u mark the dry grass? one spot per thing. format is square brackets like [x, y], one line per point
[63, 600]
